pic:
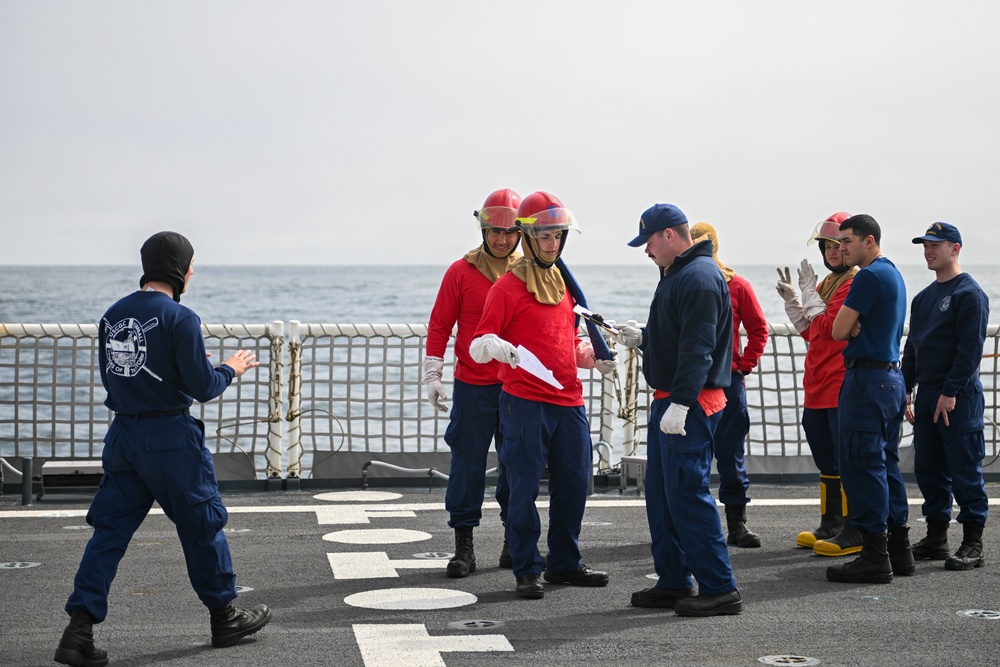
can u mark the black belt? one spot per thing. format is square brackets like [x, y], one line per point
[872, 364]
[186, 412]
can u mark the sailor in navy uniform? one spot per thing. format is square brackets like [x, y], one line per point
[153, 365]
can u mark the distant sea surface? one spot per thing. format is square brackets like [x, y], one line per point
[355, 294]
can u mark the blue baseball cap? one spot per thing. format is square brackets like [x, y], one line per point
[657, 218]
[940, 231]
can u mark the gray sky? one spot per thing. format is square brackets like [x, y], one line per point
[300, 132]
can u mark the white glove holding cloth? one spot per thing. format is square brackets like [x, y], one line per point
[491, 347]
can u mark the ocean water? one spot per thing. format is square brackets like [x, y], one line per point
[351, 294]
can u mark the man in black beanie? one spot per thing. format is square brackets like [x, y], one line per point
[153, 365]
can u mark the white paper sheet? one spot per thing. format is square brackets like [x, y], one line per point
[530, 363]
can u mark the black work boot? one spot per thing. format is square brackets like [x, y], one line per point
[505, 559]
[230, 624]
[736, 522]
[970, 554]
[76, 647]
[871, 567]
[464, 561]
[900, 552]
[935, 545]
[831, 513]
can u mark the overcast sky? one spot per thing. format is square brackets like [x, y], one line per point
[296, 132]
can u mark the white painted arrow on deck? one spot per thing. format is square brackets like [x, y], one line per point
[376, 565]
[394, 645]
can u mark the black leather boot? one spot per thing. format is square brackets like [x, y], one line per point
[935, 545]
[464, 561]
[736, 522]
[230, 624]
[831, 513]
[871, 567]
[900, 552]
[970, 554]
[76, 647]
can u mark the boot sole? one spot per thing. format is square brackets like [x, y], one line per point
[731, 609]
[460, 574]
[838, 552]
[234, 639]
[961, 567]
[865, 579]
[74, 659]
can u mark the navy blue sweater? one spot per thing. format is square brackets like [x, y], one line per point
[947, 330]
[687, 344]
[153, 356]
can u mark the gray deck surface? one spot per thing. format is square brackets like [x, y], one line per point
[279, 551]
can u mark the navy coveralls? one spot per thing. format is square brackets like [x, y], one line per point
[153, 363]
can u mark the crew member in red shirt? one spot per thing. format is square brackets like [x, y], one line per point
[475, 416]
[529, 325]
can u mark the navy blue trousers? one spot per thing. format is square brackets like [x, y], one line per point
[162, 459]
[537, 434]
[949, 459]
[870, 414]
[730, 440]
[684, 522]
[821, 425]
[475, 423]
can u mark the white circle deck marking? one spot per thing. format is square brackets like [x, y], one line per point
[411, 598]
[788, 660]
[377, 536]
[358, 496]
[983, 614]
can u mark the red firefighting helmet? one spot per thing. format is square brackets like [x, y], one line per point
[499, 210]
[541, 212]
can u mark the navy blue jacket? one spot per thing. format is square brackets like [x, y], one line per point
[687, 344]
[152, 356]
[947, 330]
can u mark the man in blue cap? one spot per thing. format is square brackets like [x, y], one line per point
[941, 357]
[687, 348]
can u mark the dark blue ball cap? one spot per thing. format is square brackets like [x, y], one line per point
[656, 218]
[940, 231]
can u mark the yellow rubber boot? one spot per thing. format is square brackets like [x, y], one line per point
[831, 513]
[846, 542]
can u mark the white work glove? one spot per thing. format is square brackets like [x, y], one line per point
[791, 298]
[673, 419]
[433, 389]
[629, 336]
[606, 366]
[812, 302]
[784, 286]
[489, 347]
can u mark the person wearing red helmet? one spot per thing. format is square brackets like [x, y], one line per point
[528, 325]
[474, 420]
[731, 433]
[824, 373]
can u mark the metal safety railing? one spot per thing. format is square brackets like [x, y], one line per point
[353, 392]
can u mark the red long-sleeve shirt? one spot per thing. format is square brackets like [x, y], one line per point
[512, 313]
[746, 309]
[825, 357]
[460, 299]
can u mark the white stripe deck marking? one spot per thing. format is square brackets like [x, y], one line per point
[377, 536]
[351, 514]
[376, 565]
[410, 645]
[358, 496]
[411, 599]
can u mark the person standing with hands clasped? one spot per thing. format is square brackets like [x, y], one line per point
[687, 355]
[948, 321]
[813, 318]
[872, 398]
[731, 434]
[529, 311]
[153, 365]
[475, 416]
